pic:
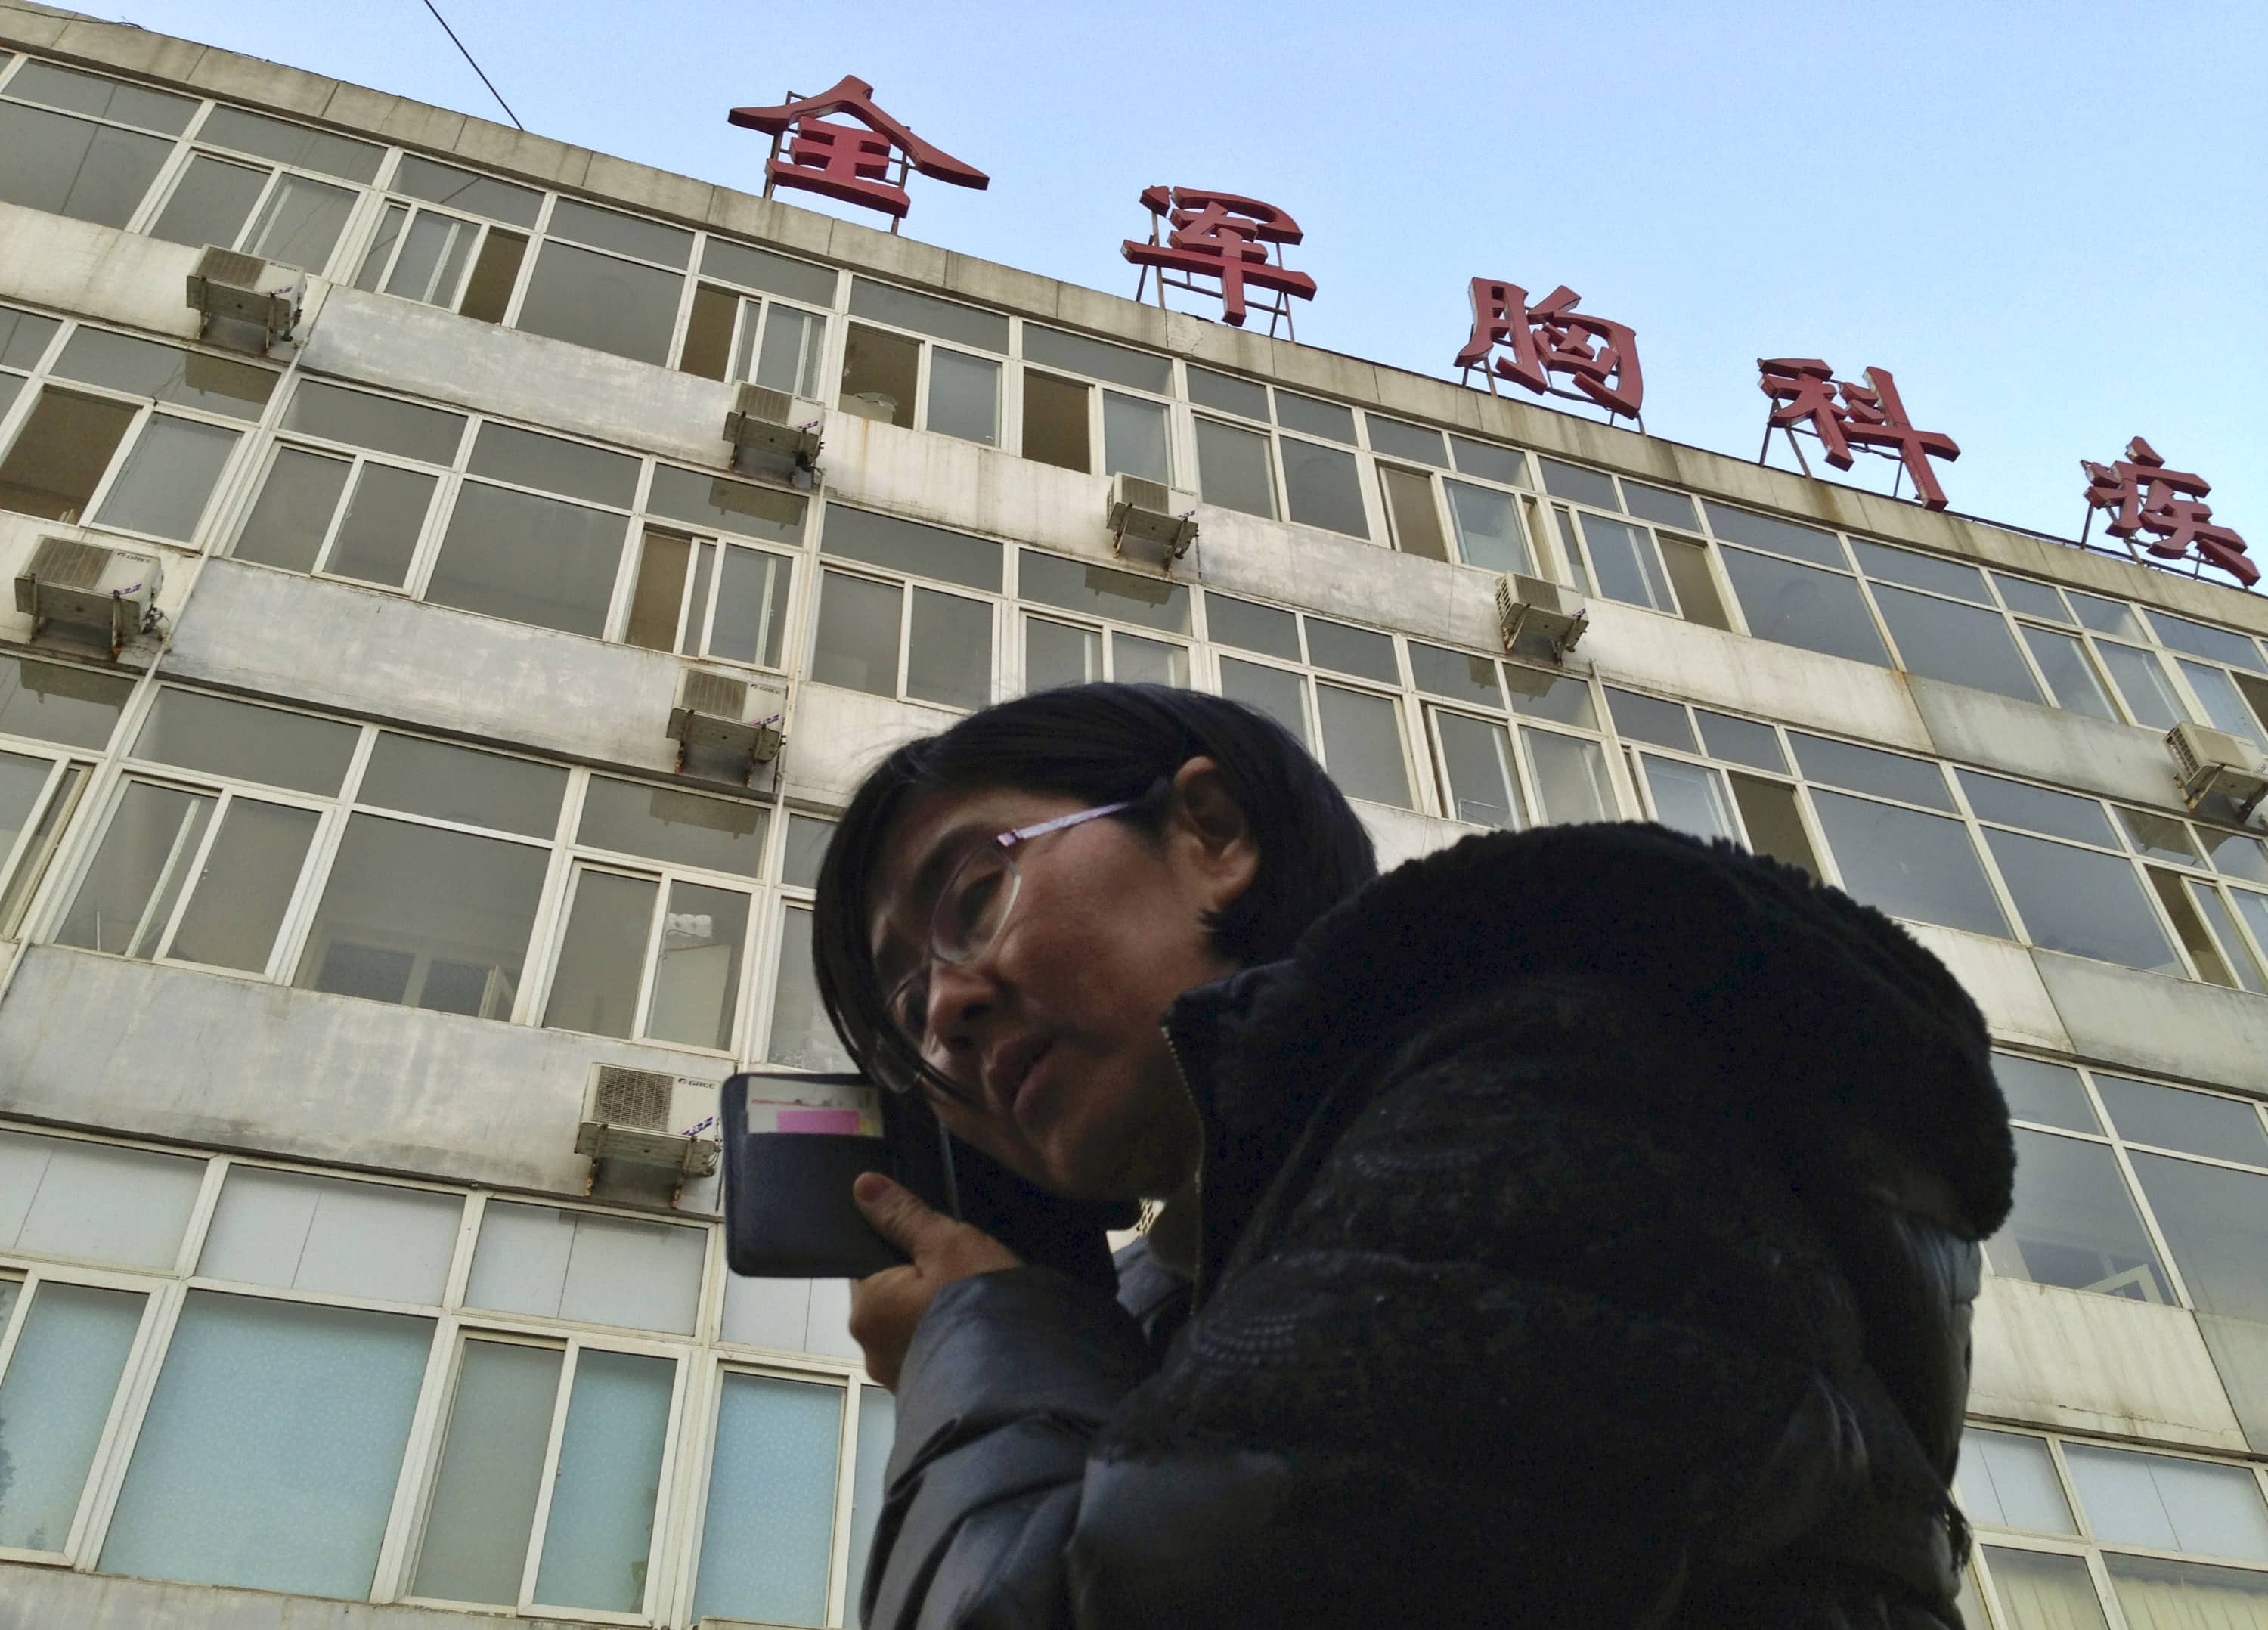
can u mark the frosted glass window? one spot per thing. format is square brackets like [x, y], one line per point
[124, 1208]
[272, 1447]
[1232, 468]
[168, 478]
[2074, 1225]
[801, 1037]
[600, 1532]
[230, 737]
[766, 1313]
[2005, 1480]
[306, 1232]
[1362, 745]
[2050, 1094]
[1909, 864]
[2037, 1591]
[2197, 1123]
[878, 1432]
[53, 1399]
[964, 397]
[2154, 1592]
[2168, 1503]
[2079, 901]
[769, 1529]
[587, 1268]
[1691, 798]
[1571, 778]
[491, 1475]
[1479, 782]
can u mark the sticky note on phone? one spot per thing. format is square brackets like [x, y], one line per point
[783, 1104]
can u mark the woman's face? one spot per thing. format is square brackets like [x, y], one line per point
[1051, 1031]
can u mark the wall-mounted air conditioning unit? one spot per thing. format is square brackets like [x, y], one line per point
[84, 585]
[649, 1118]
[764, 420]
[728, 712]
[246, 290]
[1160, 522]
[2209, 762]
[1539, 618]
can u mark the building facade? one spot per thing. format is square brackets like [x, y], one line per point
[325, 889]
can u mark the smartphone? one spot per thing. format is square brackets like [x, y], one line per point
[793, 1145]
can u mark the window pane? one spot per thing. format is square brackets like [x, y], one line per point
[168, 478]
[1151, 603]
[250, 874]
[68, 167]
[597, 300]
[129, 891]
[210, 203]
[1775, 825]
[1691, 798]
[1650, 719]
[461, 189]
[2217, 692]
[2142, 684]
[2235, 855]
[2009, 1481]
[1137, 661]
[2159, 838]
[2201, 639]
[554, 465]
[22, 779]
[715, 833]
[794, 342]
[856, 642]
[1740, 740]
[484, 1496]
[1584, 486]
[304, 1231]
[1249, 627]
[1357, 651]
[1055, 653]
[247, 1472]
[383, 521]
[586, 1268]
[1228, 394]
[2033, 600]
[167, 373]
[1323, 486]
[2070, 676]
[432, 260]
[1478, 783]
[949, 649]
[1909, 864]
[707, 349]
[602, 954]
[1054, 421]
[964, 397]
[291, 143]
[945, 319]
[769, 1528]
[2050, 1094]
[2154, 1592]
[1932, 572]
[1410, 514]
[300, 223]
[1098, 359]
[1560, 697]
[2197, 1123]
[1781, 537]
[877, 1431]
[2040, 1591]
[1571, 778]
[696, 981]
[880, 373]
[1660, 504]
[1134, 438]
[60, 1197]
[2168, 1503]
[1457, 674]
[528, 559]
[53, 1399]
[423, 917]
[384, 425]
[727, 505]
[600, 1529]
[294, 511]
[1312, 417]
[1232, 468]
[1362, 745]
[1797, 606]
[252, 743]
[908, 546]
[60, 451]
[2074, 1224]
[805, 850]
[488, 292]
[105, 97]
[1273, 691]
[2037, 809]
[1624, 564]
[463, 784]
[1961, 644]
[801, 1038]
[2216, 1224]
[1864, 770]
[2086, 903]
[1687, 562]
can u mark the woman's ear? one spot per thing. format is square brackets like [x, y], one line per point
[1210, 836]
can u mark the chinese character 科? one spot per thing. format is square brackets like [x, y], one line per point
[1804, 388]
[845, 162]
[1553, 337]
[2143, 495]
[1222, 236]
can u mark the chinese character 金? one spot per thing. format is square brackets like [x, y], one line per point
[1870, 416]
[1553, 337]
[2143, 495]
[845, 162]
[1224, 236]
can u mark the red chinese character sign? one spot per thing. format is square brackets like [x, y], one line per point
[2142, 495]
[1804, 393]
[865, 167]
[1551, 336]
[1225, 239]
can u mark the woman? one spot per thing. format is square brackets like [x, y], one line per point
[1575, 1226]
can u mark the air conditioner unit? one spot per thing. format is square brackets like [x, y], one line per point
[649, 1118]
[244, 287]
[72, 581]
[1538, 617]
[729, 712]
[764, 420]
[2213, 762]
[1162, 521]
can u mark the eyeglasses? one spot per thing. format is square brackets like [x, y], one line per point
[973, 907]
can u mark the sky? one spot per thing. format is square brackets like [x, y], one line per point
[2049, 221]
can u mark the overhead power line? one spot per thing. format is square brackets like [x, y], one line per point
[467, 55]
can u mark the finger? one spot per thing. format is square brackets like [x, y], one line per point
[899, 1215]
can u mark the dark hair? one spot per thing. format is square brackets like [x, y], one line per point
[1097, 743]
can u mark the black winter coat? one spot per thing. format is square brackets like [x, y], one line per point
[1588, 1236]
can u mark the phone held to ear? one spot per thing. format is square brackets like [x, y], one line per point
[793, 1145]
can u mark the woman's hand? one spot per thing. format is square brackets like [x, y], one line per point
[885, 1307]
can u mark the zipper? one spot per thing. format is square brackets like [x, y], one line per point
[1196, 1186]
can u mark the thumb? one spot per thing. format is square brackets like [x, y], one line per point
[899, 1214]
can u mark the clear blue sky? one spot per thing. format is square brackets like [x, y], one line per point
[2049, 220]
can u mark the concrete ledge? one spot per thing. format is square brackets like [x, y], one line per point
[2049, 744]
[47, 1598]
[2176, 1028]
[2002, 980]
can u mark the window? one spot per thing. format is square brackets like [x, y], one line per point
[1444, 517]
[888, 373]
[1062, 651]
[128, 434]
[1065, 418]
[1896, 856]
[1496, 772]
[66, 1347]
[1952, 631]
[712, 596]
[733, 333]
[1356, 733]
[1620, 544]
[84, 145]
[292, 215]
[448, 240]
[801, 1038]
[94, 1202]
[1762, 812]
[769, 1529]
[2080, 900]
[1795, 585]
[606, 281]
[1236, 466]
[899, 638]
